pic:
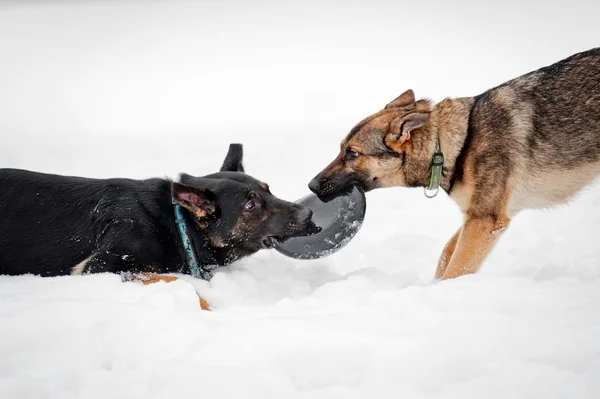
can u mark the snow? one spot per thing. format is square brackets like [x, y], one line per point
[151, 89]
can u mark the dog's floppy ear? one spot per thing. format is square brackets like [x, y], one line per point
[199, 201]
[400, 128]
[404, 99]
[233, 160]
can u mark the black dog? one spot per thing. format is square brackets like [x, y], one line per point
[55, 225]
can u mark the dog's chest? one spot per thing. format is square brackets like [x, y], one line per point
[462, 194]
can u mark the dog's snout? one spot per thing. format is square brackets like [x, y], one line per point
[303, 213]
[314, 185]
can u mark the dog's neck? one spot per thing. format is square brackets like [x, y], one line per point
[452, 117]
[203, 249]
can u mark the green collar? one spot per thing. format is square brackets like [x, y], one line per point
[437, 164]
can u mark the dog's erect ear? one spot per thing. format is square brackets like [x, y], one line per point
[233, 160]
[200, 202]
[400, 128]
[404, 99]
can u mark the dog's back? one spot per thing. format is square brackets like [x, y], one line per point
[50, 223]
[540, 132]
[548, 109]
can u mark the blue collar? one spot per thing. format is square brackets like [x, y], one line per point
[188, 248]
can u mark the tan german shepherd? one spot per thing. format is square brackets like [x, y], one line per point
[532, 142]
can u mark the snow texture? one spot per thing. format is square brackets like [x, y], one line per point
[133, 89]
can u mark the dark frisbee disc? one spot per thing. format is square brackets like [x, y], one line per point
[336, 222]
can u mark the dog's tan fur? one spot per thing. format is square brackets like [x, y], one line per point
[151, 278]
[532, 142]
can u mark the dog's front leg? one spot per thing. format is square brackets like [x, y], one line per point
[475, 241]
[447, 255]
[151, 278]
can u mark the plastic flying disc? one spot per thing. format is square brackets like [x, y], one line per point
[334, 224]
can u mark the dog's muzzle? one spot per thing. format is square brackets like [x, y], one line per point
[322, 187]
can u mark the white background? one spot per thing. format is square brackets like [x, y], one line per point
[143, 89]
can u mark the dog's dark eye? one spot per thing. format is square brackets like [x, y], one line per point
[250, 205]
[350, 153]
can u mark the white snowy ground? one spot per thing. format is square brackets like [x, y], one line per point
[145, 90]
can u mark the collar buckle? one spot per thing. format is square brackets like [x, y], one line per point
[438, 159]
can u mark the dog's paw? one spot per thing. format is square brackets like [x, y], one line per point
[151, 278]
[203, 304]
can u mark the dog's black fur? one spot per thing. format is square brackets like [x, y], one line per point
[56, 225]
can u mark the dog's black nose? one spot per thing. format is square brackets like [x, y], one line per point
[304, 214]
[314, 185]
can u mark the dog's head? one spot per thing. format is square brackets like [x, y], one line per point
[376, 152]
[236, 212]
